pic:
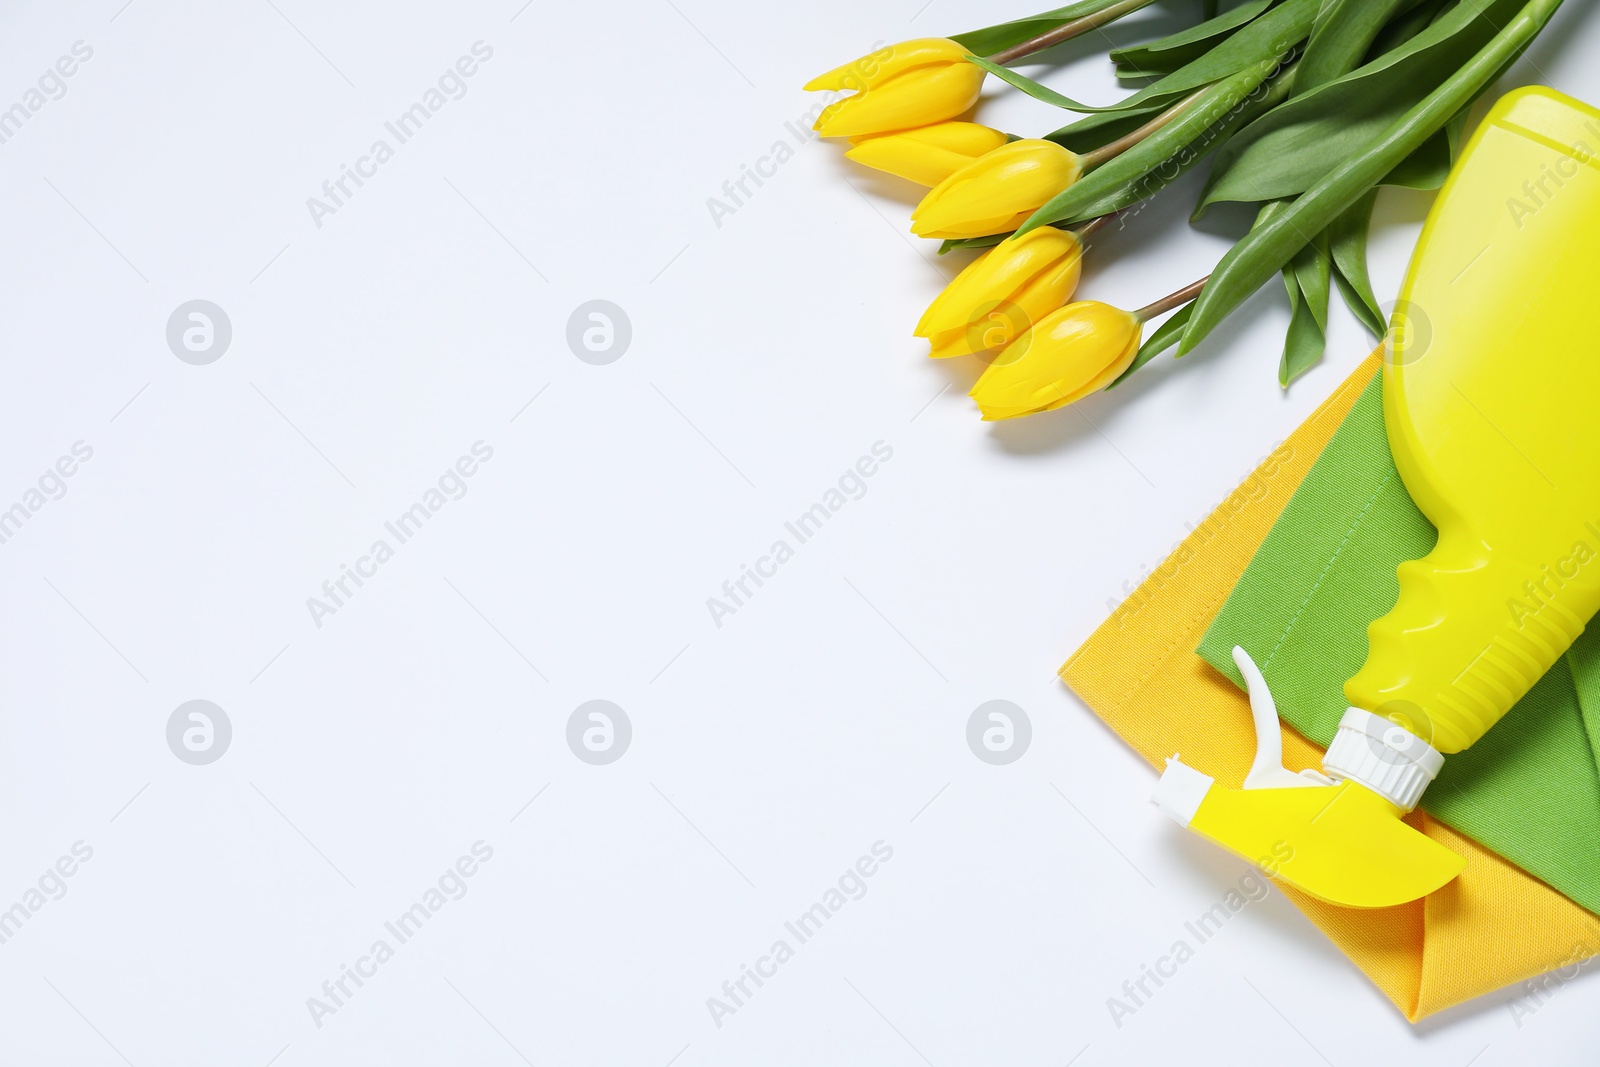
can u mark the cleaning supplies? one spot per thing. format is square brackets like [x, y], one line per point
[1425, 956]
[1488, 388]
[1529, 789]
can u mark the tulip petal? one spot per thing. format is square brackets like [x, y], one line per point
[926, 155]
[925, 165]
[1013, 180]
[1036, 272]
[874, 68]
[916, 97]
[950, 344]
[1048, 290]
[1071, 353]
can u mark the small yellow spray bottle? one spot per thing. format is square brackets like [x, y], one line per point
[1491, 392]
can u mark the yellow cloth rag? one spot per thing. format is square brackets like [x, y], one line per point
[1492, 926]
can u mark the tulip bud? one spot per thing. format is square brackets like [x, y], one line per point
[1069, 354]
[926, 155]
[997, 192]
[1000, 296]
[910, 84]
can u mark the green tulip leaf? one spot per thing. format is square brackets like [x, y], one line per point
[955, 244]
[1128, 72]
[1174, 50]
[1268, 38]
[1199, 115]
[1368, 315]
[1307, 278]
[1305, 341]
[1426, 168]
[1039, 92]
[1313, 272]
[1264, 251]
[1094, 130]
[1147, 184]
[1339, 41]
[1347, 245]
[1429, 165]
[1407, 25]
[1288, 150]
[1271, 35]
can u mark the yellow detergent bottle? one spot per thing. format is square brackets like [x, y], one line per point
[1491, 385]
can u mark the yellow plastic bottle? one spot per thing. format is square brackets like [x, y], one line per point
[1492, 400]
[1492, 404]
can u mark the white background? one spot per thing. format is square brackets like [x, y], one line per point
[828, 713]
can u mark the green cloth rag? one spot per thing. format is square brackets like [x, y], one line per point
[1529, 789]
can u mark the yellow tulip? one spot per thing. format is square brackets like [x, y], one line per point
[926, 155]
[1071, 353]
[1001, 295]
[914, 83]
[996, 192]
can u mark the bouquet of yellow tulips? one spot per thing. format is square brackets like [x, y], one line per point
[1304, 107]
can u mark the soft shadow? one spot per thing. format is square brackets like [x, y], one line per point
[1476, 1008]
[870, 182]
[1225, 334]
[1144, 225]
[1500, 998]
[1226, 218]
[902, 191]
[1051, 431]
[1401, 207]
[958, 372]
[1556, 36]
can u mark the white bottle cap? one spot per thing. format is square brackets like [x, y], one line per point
[1383, 756]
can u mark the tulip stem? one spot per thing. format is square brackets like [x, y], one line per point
[1093, 224]
[1068, 30]
[1097, 156]
[1171, 300]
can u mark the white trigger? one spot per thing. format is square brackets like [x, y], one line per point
[1267, 770]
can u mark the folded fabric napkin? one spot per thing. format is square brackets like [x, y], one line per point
[1529, 789]
[1492, 926]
